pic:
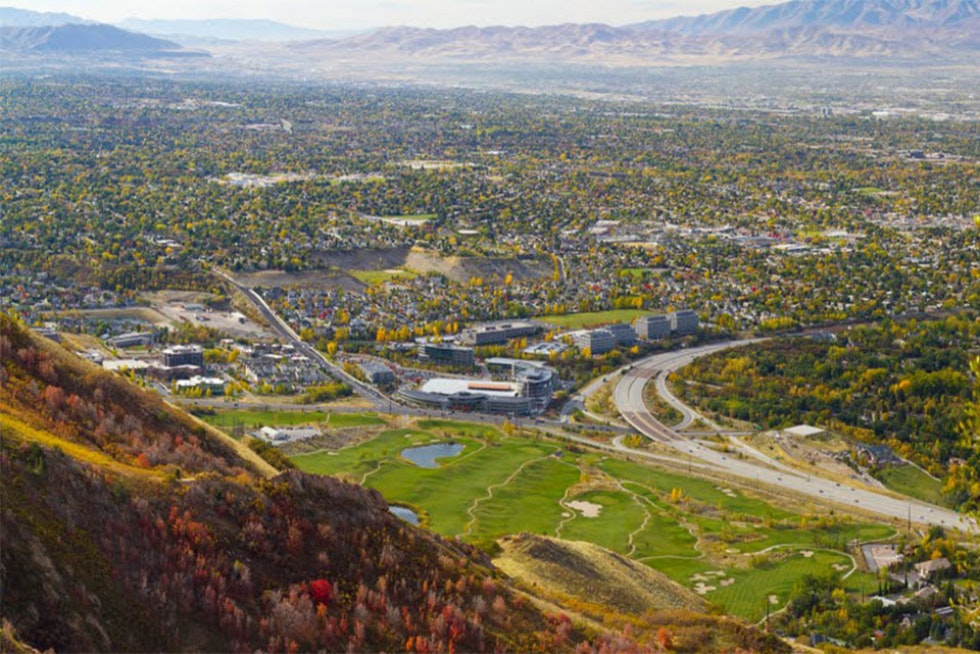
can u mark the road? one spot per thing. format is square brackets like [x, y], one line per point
[628, 396]
[752, 465]
[375, 397]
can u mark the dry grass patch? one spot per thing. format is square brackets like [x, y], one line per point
[591, 574]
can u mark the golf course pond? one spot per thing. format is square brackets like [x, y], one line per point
[405, 514]
[425, 456]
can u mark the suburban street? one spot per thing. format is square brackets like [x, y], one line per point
[289, 336]
[628, 397]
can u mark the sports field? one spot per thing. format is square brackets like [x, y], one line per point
[594, 318]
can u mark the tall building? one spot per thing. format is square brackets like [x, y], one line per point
[598, 341]
[683, 323]
[653, 327]
[183, 355]
[623, 332]
[446, 354]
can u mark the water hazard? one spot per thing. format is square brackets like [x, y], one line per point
[405, 514]
[426, 455]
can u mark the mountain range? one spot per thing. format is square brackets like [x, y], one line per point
[938, 31]
[230, 29]
[81, 37]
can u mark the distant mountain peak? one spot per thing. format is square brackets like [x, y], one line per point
[234, 29]
[80, 38]
[840, 14]
[15, 17]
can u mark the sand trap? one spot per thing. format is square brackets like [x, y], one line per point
[587, 509]
[806, 554]
[840, 567]
[727, 491]
[566, 514]
[701, 589]
[727, 582]
[773, 599]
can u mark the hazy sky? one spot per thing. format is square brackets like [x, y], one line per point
[355, 14]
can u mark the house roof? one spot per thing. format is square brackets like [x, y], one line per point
[933, 565]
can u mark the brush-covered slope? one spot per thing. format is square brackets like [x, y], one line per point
[597, 584]
[124, 526]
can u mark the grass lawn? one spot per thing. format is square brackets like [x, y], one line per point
[592, 318]
[834, 537]
[372, 277]
[911, 481]
[697, 489]
[365, 457]
[619, 516]
[255, 418]
[353, 420]
[527, 502]
[752, 588]
[459, 428]
[259, 418]
[443, 494]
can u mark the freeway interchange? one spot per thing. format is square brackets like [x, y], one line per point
[742, 461]
[750, 464]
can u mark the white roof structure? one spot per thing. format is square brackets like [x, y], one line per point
[803, 431]
[125, 364]
[444, 386]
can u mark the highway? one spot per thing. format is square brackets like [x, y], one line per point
[752, 465]
[628, 396]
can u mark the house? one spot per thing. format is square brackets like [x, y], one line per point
[927, 569]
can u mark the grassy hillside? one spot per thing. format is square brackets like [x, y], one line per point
[127, 526]
[592, 574]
